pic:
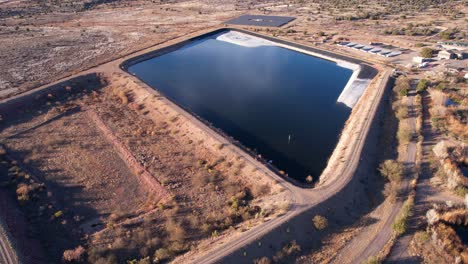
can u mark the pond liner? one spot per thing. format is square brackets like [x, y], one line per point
[366, 72]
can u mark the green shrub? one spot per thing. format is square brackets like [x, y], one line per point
[426, 52]
[162, 254]
[400, 224]
[320, 222]
[441, 86]
[372, 260]
[402, 86]
[404, 135]
[288, 250]
[461, 191]
[422, 85]
[402, 112]
[392, 170]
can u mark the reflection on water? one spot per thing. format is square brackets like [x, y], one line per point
[261, 96]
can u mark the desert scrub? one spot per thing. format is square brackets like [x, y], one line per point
[320, 222]
[289, 249]
[405, 133]
[392, 170]
[422, 85]
[400, 224]
[402, 86]
[372, 260]
[461, 191]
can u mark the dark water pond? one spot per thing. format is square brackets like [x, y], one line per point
[276, 101]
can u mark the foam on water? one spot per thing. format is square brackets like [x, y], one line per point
[244, 40]
[353, 89]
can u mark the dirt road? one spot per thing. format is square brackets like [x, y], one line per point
[426, 194]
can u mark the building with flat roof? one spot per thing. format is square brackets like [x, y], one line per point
[259, 20]
[446, 55]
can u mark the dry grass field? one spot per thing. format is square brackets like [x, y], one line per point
[77, 161]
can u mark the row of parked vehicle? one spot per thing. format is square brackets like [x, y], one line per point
[371, 49]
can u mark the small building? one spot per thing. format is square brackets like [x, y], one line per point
[461, 54]
[420, 60]
[446, 55]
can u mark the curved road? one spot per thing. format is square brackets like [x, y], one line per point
[304, 198]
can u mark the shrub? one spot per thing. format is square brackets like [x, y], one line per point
[175, 231]
[447, 34]
[372, 260]
[287, 250]
[441, 86]
[320, 222]
[438, 122]
[422, 85]
[402, 112]
[426, 52]
[421, 237]
[392, 170]
[404, 135]
[400, 224]
[22, 192]
[461, 191]
[402, 86]
[263, 260]
[74, 255]
[162, 254]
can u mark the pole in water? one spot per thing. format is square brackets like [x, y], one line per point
[289, 138]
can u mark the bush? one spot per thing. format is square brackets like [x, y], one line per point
[175, 231]
[422, 85]
[402, 86]
[402, 112]
[441, 86]
[404, 135]
[400, 224]
[74, 255]
[263, 260]
[461, 191]
[320, 222]
[426, 52]
[162, 254]
[287, 250]
[392, 170]
[372, 260]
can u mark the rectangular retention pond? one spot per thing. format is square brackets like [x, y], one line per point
[277, 101]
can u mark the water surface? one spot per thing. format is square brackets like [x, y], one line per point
[279, 102]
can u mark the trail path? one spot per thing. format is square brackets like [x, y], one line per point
[426, 194]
